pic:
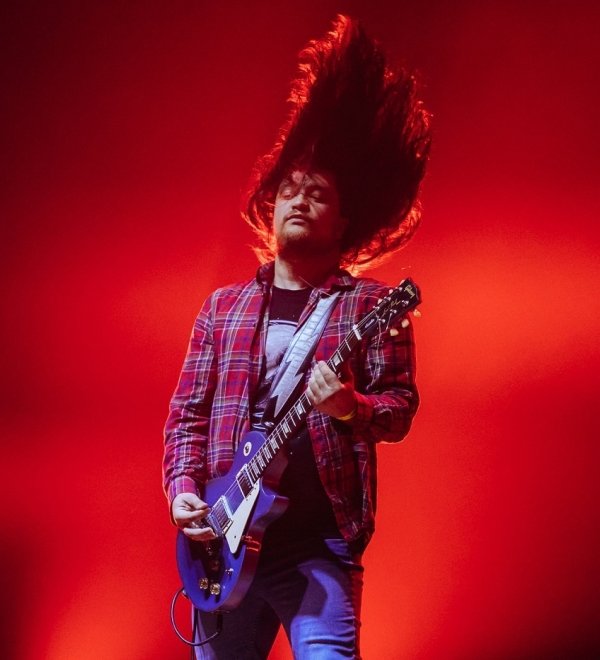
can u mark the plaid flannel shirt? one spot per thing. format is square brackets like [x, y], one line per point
[210, 408]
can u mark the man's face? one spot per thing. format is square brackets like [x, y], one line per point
[306, 218]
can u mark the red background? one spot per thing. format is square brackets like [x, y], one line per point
[129, 130]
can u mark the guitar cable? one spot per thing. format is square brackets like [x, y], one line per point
[191, 643]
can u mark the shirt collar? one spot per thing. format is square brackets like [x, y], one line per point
[339, 279]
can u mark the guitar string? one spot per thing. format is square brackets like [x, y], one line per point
[288, 419]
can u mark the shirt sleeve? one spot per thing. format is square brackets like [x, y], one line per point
[187, 426]
[386, 392]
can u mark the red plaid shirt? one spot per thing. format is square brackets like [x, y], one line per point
[210, 408]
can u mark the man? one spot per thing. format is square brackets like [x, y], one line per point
[340, 187]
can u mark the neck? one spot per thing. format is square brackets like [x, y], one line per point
[298, 274]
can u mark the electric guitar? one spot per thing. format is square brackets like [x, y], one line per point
[216, 574]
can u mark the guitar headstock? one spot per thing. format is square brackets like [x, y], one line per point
[398, 302]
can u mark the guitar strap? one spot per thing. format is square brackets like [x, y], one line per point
[297, 358]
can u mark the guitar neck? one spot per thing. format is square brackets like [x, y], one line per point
[399, 301]
[296, 416]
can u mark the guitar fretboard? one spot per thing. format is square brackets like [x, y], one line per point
[292, 420]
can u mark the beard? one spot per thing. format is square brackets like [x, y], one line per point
[303, 245]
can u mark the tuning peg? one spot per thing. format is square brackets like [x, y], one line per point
[379, 300]
[417, 313]
[390, 290]
[394, 332]
[405, 323]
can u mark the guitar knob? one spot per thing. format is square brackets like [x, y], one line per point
[215, 589]
[203, 583]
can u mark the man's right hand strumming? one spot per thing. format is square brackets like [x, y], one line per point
[188, 511]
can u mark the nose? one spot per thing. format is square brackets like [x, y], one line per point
[300, 202]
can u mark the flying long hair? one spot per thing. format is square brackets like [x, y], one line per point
[356, 117]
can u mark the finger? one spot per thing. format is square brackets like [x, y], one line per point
[196, 504]
[314, 393]
[318, 388]
[317, 377]
[188, 501]
[185, 508]
[187, 517]
[325, 377]
[184, 516]
[199, 533]
[324, 368]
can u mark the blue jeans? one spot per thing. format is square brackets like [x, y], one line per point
[313, 589]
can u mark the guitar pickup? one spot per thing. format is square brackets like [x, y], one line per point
[219, 519]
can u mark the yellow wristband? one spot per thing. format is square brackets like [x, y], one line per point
[349, 416]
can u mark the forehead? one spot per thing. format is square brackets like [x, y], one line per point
[304, 178]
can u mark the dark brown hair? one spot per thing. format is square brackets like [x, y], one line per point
[356, 117]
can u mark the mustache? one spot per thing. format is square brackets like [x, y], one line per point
[296, 214]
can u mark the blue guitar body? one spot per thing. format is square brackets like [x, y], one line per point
[214, 577]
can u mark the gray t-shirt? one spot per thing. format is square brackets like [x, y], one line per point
[309, 511]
